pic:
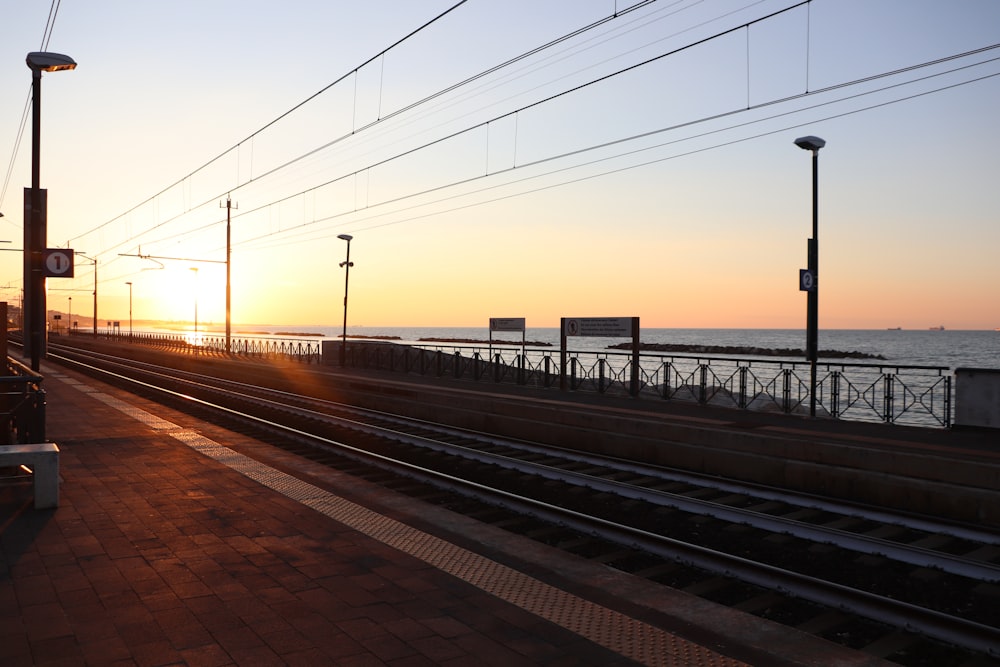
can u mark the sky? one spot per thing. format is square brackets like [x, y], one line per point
[536, 159]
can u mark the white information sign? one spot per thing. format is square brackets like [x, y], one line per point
[606, 327]
[507, 324]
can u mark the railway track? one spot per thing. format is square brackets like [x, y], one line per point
[909, 589]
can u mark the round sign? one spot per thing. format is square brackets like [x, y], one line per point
[807, 280]
[58, 263]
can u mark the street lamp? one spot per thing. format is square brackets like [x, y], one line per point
[195, 269]
[93, 260]
[811, 283]
[129, 283]
[35, 232]
[347, 275]
[69, 323]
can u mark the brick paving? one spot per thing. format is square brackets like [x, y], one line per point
[160, 555]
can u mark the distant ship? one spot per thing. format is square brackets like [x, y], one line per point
[895, 328]
[937, 328]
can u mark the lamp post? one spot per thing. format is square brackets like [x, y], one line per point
[69, 322]
[813, 144]
[195, 269]
[346, 264]
[94, 261]
[129, 283]
[35, 231]
[229, 288]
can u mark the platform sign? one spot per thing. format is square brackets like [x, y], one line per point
[605, 327]
[807, 280]
[507, 324]
[58, 263]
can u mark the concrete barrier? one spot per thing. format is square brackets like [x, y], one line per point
[43, 459]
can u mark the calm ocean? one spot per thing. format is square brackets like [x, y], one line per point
[952, 349]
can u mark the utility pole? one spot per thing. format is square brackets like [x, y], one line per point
[229, 256]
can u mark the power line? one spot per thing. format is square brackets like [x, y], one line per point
[50, 25]
[17, 146]
[355, 131]
[576, 32]
[608, 172]
[552, 158]
[285, 114]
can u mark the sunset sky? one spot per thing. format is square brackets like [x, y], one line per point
[642, 167]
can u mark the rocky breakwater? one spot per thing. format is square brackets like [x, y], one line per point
[739, 350]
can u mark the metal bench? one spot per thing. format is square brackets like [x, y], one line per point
[43, 460]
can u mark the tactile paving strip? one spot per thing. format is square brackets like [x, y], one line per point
[618, 632]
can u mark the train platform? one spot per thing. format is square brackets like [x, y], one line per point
[177, 542]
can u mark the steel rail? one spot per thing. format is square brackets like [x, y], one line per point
[968, 634]
[911, 555]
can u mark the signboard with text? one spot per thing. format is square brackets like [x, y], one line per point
[606, 327]
[507, 324]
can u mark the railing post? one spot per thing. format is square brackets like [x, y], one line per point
[572, 373]
[496, 367]
[477, 370]
[888, 397]
[742, 401]
[548, 370]
[702, 383]
[666, 379]
[947, 402]
[786, 390]
[600, 376]
[835, 394]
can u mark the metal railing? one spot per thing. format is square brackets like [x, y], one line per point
[22, 405]
[880, 392]
[302, 351]
[891, 393]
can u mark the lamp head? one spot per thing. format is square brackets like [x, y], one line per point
[44, 61]
[810, 143]
[345, 237]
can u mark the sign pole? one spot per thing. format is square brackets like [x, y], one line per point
[562, 354]
[635, 357]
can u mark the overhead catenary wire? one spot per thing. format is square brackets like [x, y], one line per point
[784, 128]
[286, 113]
[553, 158]
[590, 26]
[211, 199]
[50, 24]
[289, 232]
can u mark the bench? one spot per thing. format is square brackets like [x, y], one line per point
[43, 459]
